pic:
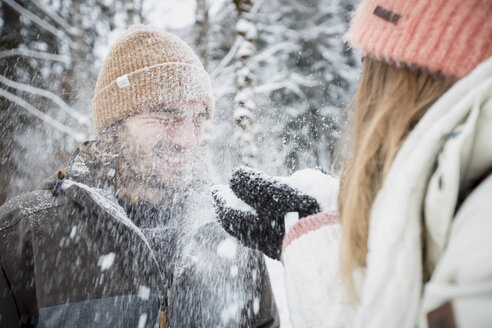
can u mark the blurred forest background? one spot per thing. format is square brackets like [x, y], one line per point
[281, 73]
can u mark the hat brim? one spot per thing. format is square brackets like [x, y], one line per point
[149, 87]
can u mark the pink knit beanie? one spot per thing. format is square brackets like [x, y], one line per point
[448, 37]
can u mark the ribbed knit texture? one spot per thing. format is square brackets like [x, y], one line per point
[307, 224]
[448, 37]
[160, 69]
[315, 293]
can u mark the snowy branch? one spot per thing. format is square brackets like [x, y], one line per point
[227, 59]
[42, 116]
[325, 30]
[57, 18]
[220, 92]
[293, 82]
[35, 54]
[221, 15]
[235, 47]
[36, 20]
[269, 52]
[301, 7]
[256, 7]
[288, 33]
[274, 86]
[81, 119]
[302, 80]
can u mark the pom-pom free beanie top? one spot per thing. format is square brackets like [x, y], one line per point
[446, 37]
[144, 69]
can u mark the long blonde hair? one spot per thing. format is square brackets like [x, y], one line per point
[388, 104]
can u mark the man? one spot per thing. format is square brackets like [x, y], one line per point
[125, 235]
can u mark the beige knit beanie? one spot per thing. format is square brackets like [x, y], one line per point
[146, 68]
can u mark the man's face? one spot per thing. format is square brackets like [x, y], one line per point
[160, 144]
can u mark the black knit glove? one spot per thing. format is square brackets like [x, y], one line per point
[260, 227]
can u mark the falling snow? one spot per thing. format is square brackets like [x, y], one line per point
[227, 248]
[281, 76]
[106, 261]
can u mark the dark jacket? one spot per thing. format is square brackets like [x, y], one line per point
[70, 256]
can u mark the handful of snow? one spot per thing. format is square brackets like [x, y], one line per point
[231, 200]
[312, 182]
[258, 209]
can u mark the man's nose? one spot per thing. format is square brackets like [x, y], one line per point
[183, 134]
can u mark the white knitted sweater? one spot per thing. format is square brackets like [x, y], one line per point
[449, 148]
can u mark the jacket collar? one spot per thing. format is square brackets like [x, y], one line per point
[103, 204]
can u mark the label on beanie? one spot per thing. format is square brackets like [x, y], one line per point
[123, 81]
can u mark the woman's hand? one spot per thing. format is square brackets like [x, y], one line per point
[254, 207]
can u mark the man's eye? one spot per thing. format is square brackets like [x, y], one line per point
[199, 120]
[167, 119]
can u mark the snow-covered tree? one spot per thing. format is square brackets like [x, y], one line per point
[302, 75]
[280, 72]
[308, 73]
[47, 79]
[244, 100]
[201, 30]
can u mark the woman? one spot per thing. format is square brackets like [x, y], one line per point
[410, 243]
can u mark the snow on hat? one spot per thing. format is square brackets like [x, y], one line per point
[144, 69]
[448, 37]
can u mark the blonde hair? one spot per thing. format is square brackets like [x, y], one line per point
[388, 104]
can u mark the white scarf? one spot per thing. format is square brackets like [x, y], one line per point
[392, 289]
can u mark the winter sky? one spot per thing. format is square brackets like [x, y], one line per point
[170, 14]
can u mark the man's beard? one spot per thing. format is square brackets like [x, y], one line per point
[151, 170]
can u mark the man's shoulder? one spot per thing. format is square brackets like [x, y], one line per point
[26, 204]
